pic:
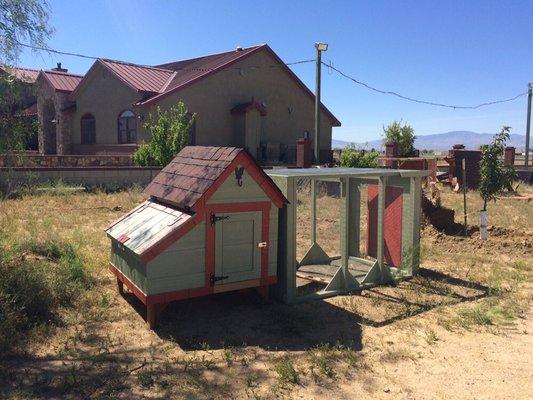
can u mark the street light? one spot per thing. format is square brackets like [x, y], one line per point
[320, 47]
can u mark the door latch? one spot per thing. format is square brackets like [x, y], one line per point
[214, 218]
[262, 244]
[214, 278]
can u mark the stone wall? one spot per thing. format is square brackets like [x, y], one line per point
[55, 161]
[84, 176]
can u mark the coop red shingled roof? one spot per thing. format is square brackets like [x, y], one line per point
[190, 174]
[197, 169]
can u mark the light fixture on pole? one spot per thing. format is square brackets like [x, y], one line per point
[320, 47]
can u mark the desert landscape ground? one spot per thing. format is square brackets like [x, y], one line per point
[460, 330]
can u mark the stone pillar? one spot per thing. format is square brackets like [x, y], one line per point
[63, 133]
[303, 153]
[391, 149]
[509, 156]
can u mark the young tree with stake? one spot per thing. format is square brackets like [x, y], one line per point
[495, 176]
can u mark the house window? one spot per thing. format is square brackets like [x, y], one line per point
[127, 127]
[88, 129]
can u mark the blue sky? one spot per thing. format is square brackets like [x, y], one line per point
[458, 52]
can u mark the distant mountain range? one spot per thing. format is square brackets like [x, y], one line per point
[443, 141]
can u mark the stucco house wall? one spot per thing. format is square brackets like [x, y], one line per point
[104, 96]
[290, 111]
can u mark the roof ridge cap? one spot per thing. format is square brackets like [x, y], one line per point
[49, 71]
[135, 65]
[213, 54]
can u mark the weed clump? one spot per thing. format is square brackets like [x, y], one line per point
[286, 371]
[38, 279]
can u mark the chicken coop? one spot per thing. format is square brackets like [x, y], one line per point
[390, 225]
[216, 222]
[209, 226]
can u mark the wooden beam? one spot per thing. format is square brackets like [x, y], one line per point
[381, 224]
[354, 218]
[344, 223]
[313, 212]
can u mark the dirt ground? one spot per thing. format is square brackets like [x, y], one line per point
[462, 329]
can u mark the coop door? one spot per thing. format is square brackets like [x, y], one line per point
[237, 251]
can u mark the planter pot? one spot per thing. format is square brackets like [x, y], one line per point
[483, 225]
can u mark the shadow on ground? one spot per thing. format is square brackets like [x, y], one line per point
[428, 290]
[242, 318]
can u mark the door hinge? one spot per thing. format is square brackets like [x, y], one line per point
[214, 278]
[214, 218]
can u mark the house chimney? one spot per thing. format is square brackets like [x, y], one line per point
[59, 69]
[239, 48]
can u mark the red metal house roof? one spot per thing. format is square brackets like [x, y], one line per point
[62, 81]
[27, 75]
[191, 71]
[162, 80]
[141, 78]
[197, 169]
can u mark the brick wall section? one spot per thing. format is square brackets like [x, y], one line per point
[56, 161]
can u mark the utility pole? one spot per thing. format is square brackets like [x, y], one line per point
[528, 124]
[320, 47]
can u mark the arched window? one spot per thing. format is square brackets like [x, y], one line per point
[127, 127]
[88, 129]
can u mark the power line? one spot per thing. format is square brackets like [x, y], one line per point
[331, 67]
[66, 53]
[392, 93]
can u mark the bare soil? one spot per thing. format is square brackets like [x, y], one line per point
[462, 329]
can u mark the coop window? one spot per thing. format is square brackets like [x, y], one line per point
[127, 127]
[88, 129]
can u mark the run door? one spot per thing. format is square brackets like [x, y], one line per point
[237, 248]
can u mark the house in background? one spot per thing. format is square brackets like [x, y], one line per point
[247, 97]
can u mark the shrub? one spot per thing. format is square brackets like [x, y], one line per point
[37, 279]
[358, 158]
[169, 134]
[404, 135]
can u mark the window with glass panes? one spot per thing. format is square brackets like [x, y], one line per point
[127, 127]
[88, 129]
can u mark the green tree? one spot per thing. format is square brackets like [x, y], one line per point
[355, 157]
[404, 135]
[494, 175]
[20, 21]
[170, 133]
[15, 131]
